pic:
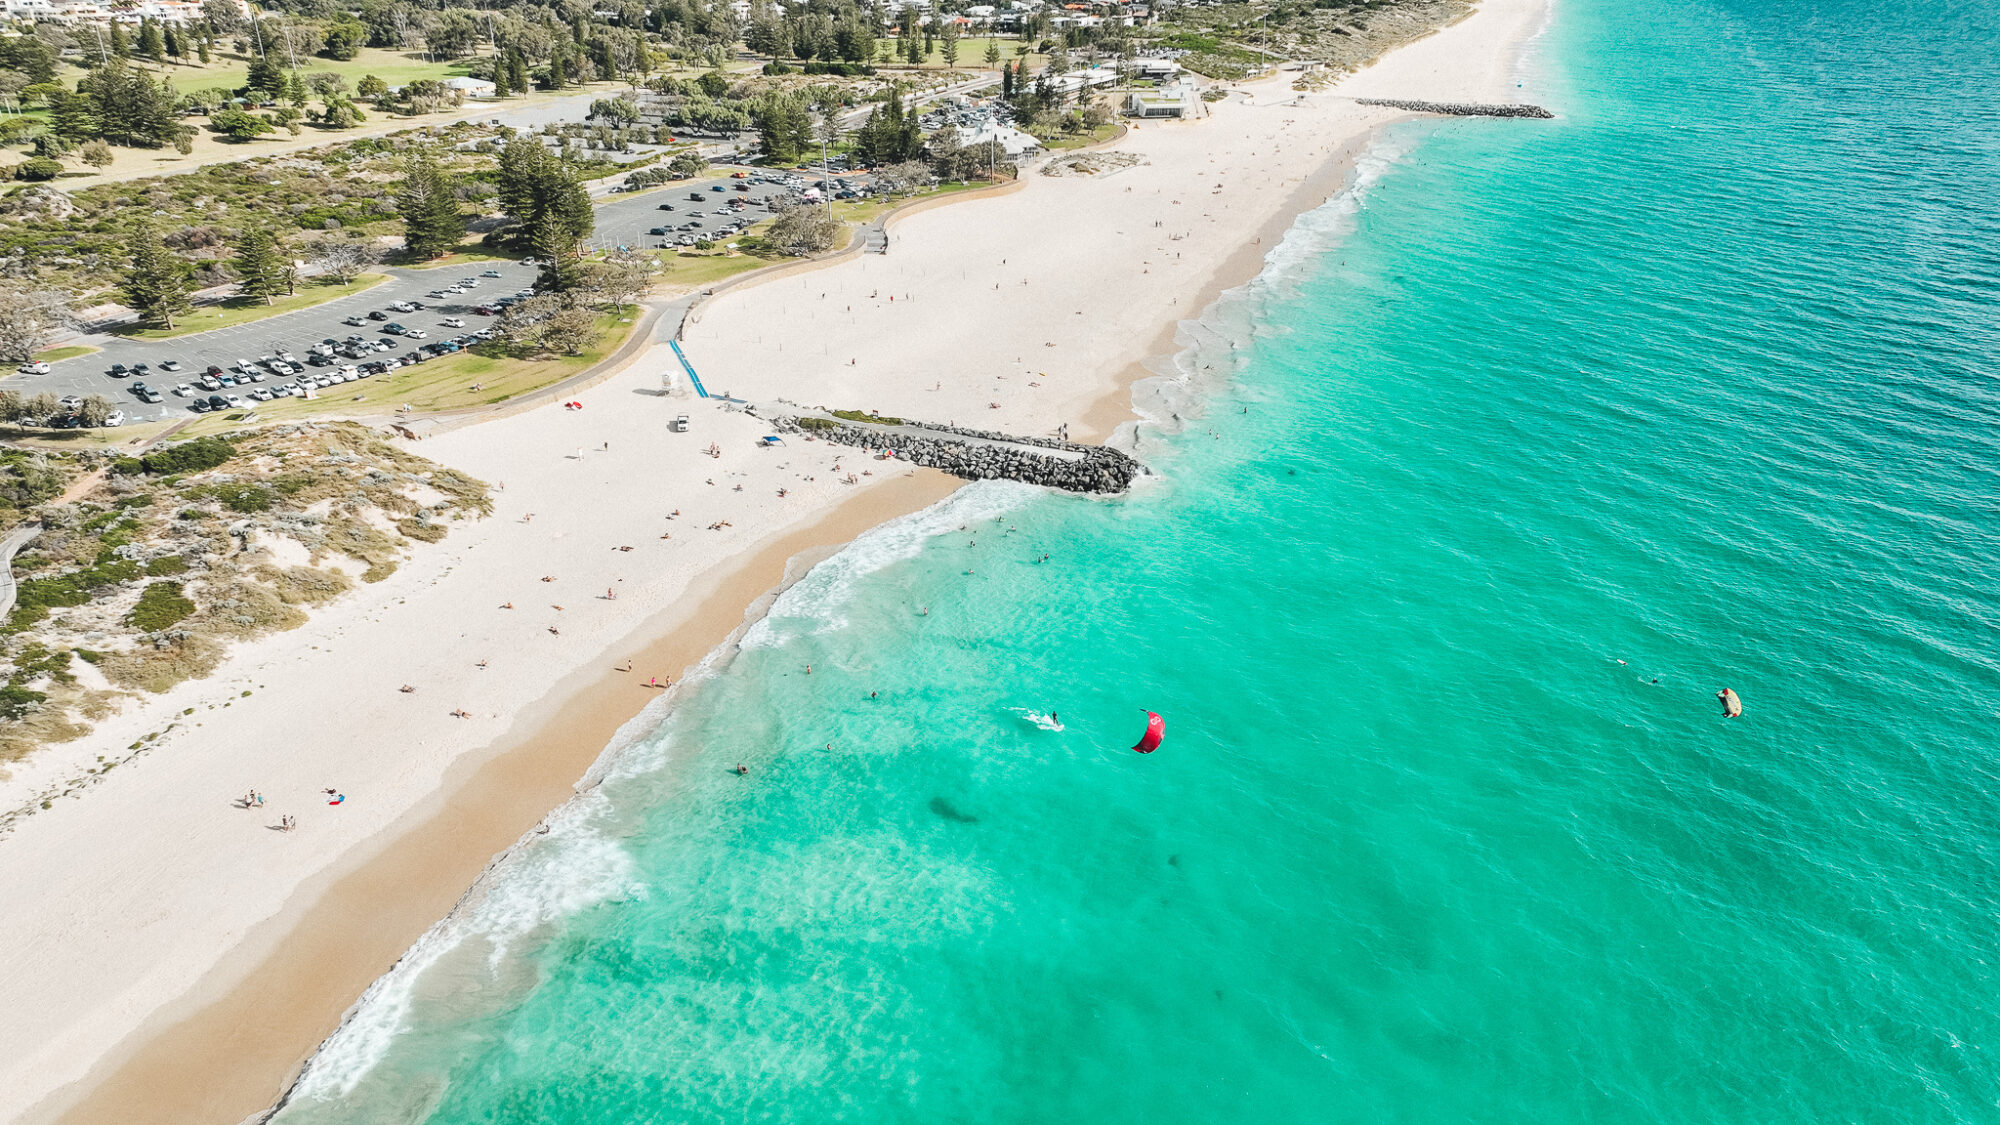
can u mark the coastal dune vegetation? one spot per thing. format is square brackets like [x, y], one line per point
[166, 559]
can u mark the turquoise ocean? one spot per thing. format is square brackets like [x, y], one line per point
[1519, 451]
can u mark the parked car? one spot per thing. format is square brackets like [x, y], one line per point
[468, 282]
[438, 295]
[452, 322]
[183, 389]
[716, 187]
[151, 395]
[394, 329]
[211, 369]
[115, 418]
[262, 395]
[414, 334]
[170, 365]
[491, 273]
[118, 371]
[34, 369]
[199, 406]
[666, 206]
[217, 402]
[378, 314]
[70, 402]
[487, 310]
[402, 306]
[354, 322]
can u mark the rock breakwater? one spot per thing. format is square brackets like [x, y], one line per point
[981, 454]
[1460, 109]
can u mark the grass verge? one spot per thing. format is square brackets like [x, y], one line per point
[70, 351]
[246, 310]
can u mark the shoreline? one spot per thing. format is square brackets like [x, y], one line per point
[271, 1000]
[267, 1019]
[288, 953]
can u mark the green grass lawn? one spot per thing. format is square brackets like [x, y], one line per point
[243, 310]
[492, 373]
[469, 254]
[68, 352]
[1058, 141]
[230, 71]
[696, 268]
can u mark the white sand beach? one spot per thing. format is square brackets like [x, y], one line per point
[167, 961]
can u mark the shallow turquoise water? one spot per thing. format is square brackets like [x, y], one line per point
[1544, 435]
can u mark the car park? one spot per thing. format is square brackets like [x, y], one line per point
[34, 369]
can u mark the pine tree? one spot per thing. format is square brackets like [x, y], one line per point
[156, 284]
[175, 48]
[295, 90]
[428, 203]
[201, 50]
[260, 268]
[119, 46]
[500, 77]
[151, 43]
[520, 80]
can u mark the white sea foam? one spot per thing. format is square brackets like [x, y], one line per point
[813, 603]
[1214, 345]
[571, 867]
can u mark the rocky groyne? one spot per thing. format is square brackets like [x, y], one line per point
[980, 454]
[1460, 109]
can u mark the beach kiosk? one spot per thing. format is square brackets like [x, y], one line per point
[679, 425]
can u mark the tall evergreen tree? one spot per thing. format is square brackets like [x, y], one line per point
[176, 49]
[428, 203]
[543, 198]
[260, 267]
[152, 44]
[119, 46]
[295, 90]
[156, 285]
[502, 77]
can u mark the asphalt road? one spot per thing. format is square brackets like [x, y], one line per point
[621, 220]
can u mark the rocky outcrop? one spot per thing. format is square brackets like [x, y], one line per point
[1460, 109]
[981, 454]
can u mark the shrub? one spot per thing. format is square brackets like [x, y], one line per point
[37, 169]
[166, 565]
[161, 606]
[422, 530]
[187, 457]
[244, 498]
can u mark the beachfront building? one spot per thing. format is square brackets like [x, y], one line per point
[1015, 143]
[471, 87]
[1179, 99]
